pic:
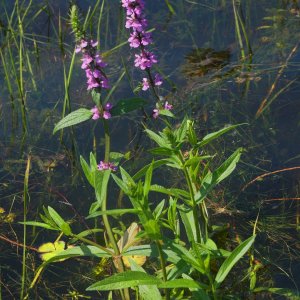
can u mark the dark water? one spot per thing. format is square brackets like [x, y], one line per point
[205, 76]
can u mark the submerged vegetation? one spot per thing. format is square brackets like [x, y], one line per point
[149, 149]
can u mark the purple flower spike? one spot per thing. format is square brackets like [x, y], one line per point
[92, 63]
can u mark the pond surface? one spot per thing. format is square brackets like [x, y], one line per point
[218, 69]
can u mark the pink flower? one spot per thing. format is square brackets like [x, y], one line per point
[168, 106]
[99, 61]
[93, 43]
[96, 113]
[145, 60]
[145, 84]
[158, 80]
[83, 44]
[108, 106]
[106, 166]
[155, 113]
[86, 60]
[106, 115]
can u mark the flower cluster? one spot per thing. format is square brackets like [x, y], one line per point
[92, 63]
[105, 114]
[146, 83]
[139, 38]
[166, 106]
[106, 166]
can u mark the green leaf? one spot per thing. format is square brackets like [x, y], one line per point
[189, 224]
[181, 132]
[148, 179]
[96, 97]
[55, 217]
[64, 227]
[152, 229]
[158, 139]
[161, 151]
[195, 160]
[93, 162]
[232, 259]
[82, 250]
[115, 157]
[155, 164]
[290, 294]
[151, 251]
[214, 135]
[158, 209]
[127, 179]
[124, 280]
[85, 233]
[78, 116]
[87, 171]
[167, 113]
[125, 106]
[188, 257]
[147, 292]
[212, 179]
[113, 212]
[179, 283]
[121, 184]
[101, 179]
[38, 224]
[171, 191]
[228, 166]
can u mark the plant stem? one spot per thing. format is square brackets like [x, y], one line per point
[89, 242]
[25, 200]
[163, 267]
[192, 194]
[120, 264]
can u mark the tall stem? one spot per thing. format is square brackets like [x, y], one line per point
[192, 194]
[120, 264]
[163, 267]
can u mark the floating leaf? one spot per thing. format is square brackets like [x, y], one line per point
[50, 250]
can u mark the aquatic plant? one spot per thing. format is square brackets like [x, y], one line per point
[186, 265]
[174, 251]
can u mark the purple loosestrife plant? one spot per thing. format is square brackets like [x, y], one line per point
[140, 38]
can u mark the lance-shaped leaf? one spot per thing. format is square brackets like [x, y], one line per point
[147, 292]
[232, 259]
[214, 135]
[78, 116]
[124, 280]
[64, 226]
